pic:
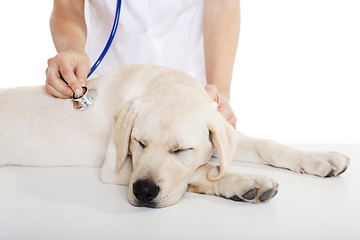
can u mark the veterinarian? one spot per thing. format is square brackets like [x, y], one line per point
[198, 37]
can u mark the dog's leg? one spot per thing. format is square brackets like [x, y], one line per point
[238, 187]
[323, 164]
[109, 174]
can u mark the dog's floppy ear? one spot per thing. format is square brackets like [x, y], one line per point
[225, 140]
[124, 121]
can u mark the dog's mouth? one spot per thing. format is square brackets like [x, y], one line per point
[145, 204]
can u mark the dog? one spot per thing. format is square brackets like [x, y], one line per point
[151, 128]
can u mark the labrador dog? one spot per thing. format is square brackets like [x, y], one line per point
[151, 128]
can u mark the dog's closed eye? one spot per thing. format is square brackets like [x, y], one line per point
[180, 150]
[141, 143]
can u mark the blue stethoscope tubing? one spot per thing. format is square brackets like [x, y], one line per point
[110, 40]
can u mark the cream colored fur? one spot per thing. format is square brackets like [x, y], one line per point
[148, 122]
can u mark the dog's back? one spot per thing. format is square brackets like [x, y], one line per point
[40, 130]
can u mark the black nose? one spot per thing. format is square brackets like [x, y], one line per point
[145, 190]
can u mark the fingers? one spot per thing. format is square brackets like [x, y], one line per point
[67, 73]
[51, 90]
[55, 85]
[224, 106]
[232, 121]
[227, 112]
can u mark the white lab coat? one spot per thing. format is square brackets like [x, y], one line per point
[160, 32]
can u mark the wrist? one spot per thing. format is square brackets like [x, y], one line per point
[73, 47]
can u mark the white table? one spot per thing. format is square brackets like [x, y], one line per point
[72, 203]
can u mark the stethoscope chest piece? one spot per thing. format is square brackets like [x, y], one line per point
[85, 100]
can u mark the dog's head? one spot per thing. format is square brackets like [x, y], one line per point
[169, 134]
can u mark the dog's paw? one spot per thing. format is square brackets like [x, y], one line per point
[251, 189]
[328, 164]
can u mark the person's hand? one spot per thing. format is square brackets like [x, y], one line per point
[66, 74]
[224, 106]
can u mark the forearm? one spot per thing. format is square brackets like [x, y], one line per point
[221, 34]
[67, 24]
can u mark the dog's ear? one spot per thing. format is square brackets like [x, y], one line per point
[225, 140]
[124, 121]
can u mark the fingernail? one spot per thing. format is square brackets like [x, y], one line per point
[78, 92]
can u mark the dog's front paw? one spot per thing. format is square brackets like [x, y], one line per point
[328, 164]
[251, 189]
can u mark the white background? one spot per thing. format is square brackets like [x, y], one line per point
[296, 77]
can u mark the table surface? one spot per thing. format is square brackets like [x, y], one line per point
[72, 203]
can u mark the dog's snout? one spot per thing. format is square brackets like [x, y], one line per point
[145, 190]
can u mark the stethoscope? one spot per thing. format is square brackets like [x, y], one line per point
[89, 95]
